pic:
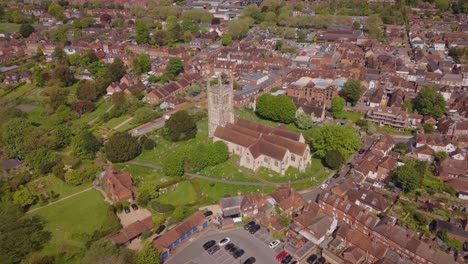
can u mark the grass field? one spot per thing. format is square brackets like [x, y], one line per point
[101, 105]
[20, 91]
[292, 173]
[141, 173]
[115, 122]
[227, 171]
[72, 221]
[182, 194]
[9, 27]
[353, 116]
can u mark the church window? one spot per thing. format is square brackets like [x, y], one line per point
[293, 158]
[276, 163]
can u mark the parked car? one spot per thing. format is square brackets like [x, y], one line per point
[328, 181]
[209, 244]
[336, 176]
[321, 260]
[213, 249]
[361, 151]
[229, 246]
[233, 249]
[208, 213]
[134, 207]
[311, 258]
[295, 262]
[281, 255]
[323, 186]
[238, 253]
[160, 229]
[286, 260]
[249, 225]
[274, 243]
[224, 241]
[126, 210]
[254, 229]
[250, 260]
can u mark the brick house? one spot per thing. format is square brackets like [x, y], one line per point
[117, 185]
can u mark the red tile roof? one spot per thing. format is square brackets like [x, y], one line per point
[132, 231]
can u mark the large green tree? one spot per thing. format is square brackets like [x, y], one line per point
[276, 108]
[122, 147]
[430, 102]
[180, 126]
[353, 90]
[333, 137]
[14, 134]
[334, 159]
[174, 67]
[209, 155]
[174, 165]
[42, 160]
[148, 255]
[407, 177]
[142, 32]
[24, 198]
[84, 144]
[337, 105]
[86, 91]
[141, 63]
[26, 29]
[304, 121]
[19, 235]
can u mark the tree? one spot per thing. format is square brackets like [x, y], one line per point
[26, 29]
[64, 74]
[141, 63]
[63, 135]
[56, 11]
[400, 147]
[42, 160]
[24, 198]
[353, 90]
[103, 252]
[373, 25]
[14, 137]
[209, 155]
[356, 25]
[442, 5]
[179, 213]
[38, 76]
[174, 67]
[59, 55]
[86, 91]
[88, 58]
[239, 27]
[407, 106]
[173, 165]
[142, 32]
[430, 102]
[116, 70]
[443, 235]
[226, 39]
[428, 128]
[333, 137]
[148, 255]
[82, 106]
[407, 178]
[122, 147]
[334, 159]
[440, 156]
[276, 108]
[19, 235]
[304, 121]
[105, 18]
[85, 144]
[337, 105]
[180, 127]
[82, 175]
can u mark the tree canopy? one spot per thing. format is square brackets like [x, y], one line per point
[337, 105]
[85, 144]
[174, 67]
[304, 121]
[141, 63]
[122, 147]
[209, 155]
[181, 126]
[430, 102]
[148, 255]
[276, 108]
[353, 90]
[407, 177]
[334, 159]
[333, 137]
[26, 29]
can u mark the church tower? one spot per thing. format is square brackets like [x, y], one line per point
[220, 105]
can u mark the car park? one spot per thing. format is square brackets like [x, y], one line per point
[250, 260]
[160, 229]
[134, 207]
[126, 210]
[274, 244]
[249, 225]
[209, 244]
[321, 260]
[286, 260]
[213, 249]
[311, 258]
[323, 186]
[224, 241]
[254, 229]
[229, 246]
[281, 255]
[238, 253]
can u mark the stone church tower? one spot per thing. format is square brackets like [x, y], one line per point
[220, 105]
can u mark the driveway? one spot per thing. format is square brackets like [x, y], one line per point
[253, 245]
[133, 216]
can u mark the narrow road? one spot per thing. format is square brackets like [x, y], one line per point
[60, 200]
[144, 164]
[123, 123]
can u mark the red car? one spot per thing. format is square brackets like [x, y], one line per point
[281, 255]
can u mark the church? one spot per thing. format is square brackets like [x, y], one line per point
[257, 145]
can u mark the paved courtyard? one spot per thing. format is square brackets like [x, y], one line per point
[253, 245]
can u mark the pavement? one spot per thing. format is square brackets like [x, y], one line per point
[253, 245]
[133, 216]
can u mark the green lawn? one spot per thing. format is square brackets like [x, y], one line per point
[142, 174]
[115, 122]
[318, 179]
[396, 131]
[20, 91]
[214, 191]
[9, 27]
[101, 107]
[182, 194]
[291, 174]
[353, 116]
[227, 171]
[72, 221]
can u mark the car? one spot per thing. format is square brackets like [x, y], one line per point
[281, 255]
[126, 210]
[213, 249]
[224, 241]
[323, 186]
[336, 176]
[321, 260]
[233, 249]
[160, 229]
[274, 243]
[254, 229]
[361, 151]
[208, 213]
[249, 225]
[250, 260]
[229, 246]
[328, 181]
[134, 207]
[311, 258]
[286, 260]
[295, 262]
[238, 253]
[209, 244]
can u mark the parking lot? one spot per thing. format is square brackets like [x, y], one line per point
[253, 245]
